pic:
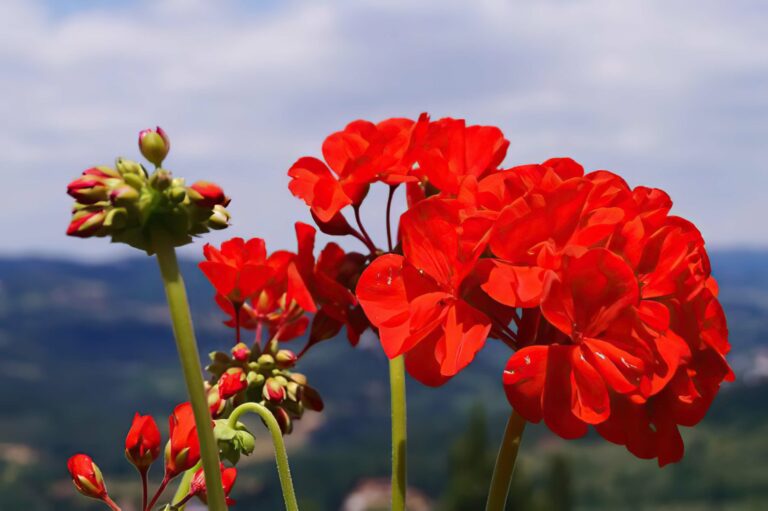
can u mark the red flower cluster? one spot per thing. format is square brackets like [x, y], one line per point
[275, 292]
[607, 300]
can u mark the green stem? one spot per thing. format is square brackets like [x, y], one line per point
[505, 463]
[399, 432]
[190, 363]
[281, 456]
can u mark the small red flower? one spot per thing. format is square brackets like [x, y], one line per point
[357, 156]
[142, 444]
[238, 270]
[197, 486]
[232, 382]
[183, 449]
[87, 477]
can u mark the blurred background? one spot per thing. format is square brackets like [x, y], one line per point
[667, 94]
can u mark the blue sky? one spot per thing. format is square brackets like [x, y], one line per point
[667, 94]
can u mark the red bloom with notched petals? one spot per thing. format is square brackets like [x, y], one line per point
[237, 270]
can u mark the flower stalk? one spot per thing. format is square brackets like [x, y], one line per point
[505, 463]
[399, 432]
[190, 363]
[281, 455]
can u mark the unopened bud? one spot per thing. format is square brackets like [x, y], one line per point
[255, 379]
[87, 476]
[177, 194]
[123, 195]
[154, 145]
[285, 359]
[88, 189]
[273, 391]
[102, 171]
[129, 167]
[299, 378]
[241, 352]
[207, 195]
[86, 223]
[283, 420]
[266, 361]
[219, 219]
[160, 179]
[294, 391]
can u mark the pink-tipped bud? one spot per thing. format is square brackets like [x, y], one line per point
[87, 477]
[283, 420]
[102, 171]
[273, 391]
[154, 145]
[285, 359]
[207, 195]
[240, 352]
[85, 224]
[88, 189]
[232, 382]
[142, 444]
[123, 195]
[216, 404]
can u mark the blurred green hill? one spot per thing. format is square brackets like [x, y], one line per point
[83, 346]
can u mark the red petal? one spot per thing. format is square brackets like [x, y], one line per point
[524, 378]
[466, 330]
[515, 286]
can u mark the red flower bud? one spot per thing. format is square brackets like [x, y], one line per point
[154, 145]
[273, 391]
[183, 449]
[85, 224]
[240, 352]
[283, 420]
[142, 444]
[88, 189]
[197, 486]
[123, 195]
[87, 476]
[216, 404]
[207, 195]
[232, 382]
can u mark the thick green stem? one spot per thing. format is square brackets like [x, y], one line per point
[281, 456]
[190, 364]
[399, 432]
[505, 463]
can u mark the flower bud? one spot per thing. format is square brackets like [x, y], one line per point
[255, 379]
[88, 189]
[183, 449]
[232, 382]
[219, 219]
[299, 378]
[160, 179]
[154, 145]
[294, 392]
[241, 352]
[128, 167]
[266, 361]
[142, 444]
[311, 399]
[124, 195]
[216, 404]
[273, 391]
[87, 477]
[102, 171]
[283, 420]
[86, 223]
[177, 194]
[207, 195]
[285, 359]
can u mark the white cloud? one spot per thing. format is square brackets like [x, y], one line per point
[667, 94]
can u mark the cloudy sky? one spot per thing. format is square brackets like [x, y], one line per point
[668, 94]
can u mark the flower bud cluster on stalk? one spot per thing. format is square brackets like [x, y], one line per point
[253, 375]
[126, 202]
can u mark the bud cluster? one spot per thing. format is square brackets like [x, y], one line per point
[264, 377]
[127, 202]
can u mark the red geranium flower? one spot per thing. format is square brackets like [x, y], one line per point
[142, 444]
[197, 486]
[183, 450]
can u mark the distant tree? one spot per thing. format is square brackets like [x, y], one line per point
[560, 494]
[469, 466]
